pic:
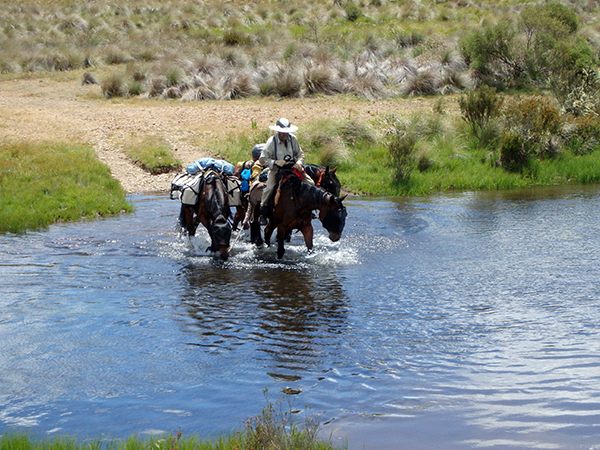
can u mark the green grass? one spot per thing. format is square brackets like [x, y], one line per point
[153, 155]
[41, 184]
[445, 157]
[237, 441]
[277, 427]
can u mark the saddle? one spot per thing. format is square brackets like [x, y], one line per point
[292, 176]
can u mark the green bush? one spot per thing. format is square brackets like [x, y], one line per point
[514, 156]
[479, 108]
[114, 86]
[352, 10]
[537, 122]
[402, 148]
[493, 53]
[584, 136]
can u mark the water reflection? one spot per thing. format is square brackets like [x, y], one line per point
[291, 316]
[455, 321]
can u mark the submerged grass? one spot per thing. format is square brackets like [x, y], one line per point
[41, 184]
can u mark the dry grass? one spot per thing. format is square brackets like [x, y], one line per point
[241, 48]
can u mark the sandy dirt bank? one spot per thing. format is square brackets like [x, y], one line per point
[47, 110]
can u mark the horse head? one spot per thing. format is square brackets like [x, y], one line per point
[324, 177]
[221, 236]
[329, 181]
[333, 217]
[216, 210]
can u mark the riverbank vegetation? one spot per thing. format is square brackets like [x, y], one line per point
[516, 83]
[45, 183]
[277, 427]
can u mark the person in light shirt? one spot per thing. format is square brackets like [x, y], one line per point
[280, 149]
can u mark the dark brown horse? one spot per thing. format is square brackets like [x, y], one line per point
[212, 210]
[294, 203]
[324, 177]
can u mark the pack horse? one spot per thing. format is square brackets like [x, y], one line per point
[205, 199]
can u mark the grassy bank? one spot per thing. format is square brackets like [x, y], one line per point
[277, 427]
[239, 441]
[437, 151]
[41, 184]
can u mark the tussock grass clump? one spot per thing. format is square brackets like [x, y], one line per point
[323, 48]
[44, 183]
[114, 86]
[89, 78]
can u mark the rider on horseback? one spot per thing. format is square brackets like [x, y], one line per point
[281, 150]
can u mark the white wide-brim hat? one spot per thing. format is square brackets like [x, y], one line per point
[283, 126]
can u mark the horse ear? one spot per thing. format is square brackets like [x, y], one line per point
[334, 169]
[343, 198]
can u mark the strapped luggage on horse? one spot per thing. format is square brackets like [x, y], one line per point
[186, 186]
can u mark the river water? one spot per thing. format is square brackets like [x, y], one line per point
[448, 322]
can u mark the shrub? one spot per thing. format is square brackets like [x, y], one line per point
[321, 80]
[89, 78]
[405, 137]
[367, 85]
[234, 37]
[135, 87]
[478, 108]
[157, 86]
[421, 82]
[332, 153]
[173, 76]
[513, 153]
[537, 122]
[115, 55]
[573, 75]
[352, 10]
[491, 52]
[287, 83]
[401, 148]
[239, 87]
[583, 136]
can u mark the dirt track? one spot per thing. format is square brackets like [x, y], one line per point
[48, 110]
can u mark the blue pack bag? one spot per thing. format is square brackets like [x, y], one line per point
[245, 180]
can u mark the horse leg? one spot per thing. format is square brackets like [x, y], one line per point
[188, 217]
[238, 217]
[281, 235]
[307, 232]
[268, 232]
[255, 233]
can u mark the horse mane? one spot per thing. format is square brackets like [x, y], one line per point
[313, 194]
[217, 203]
